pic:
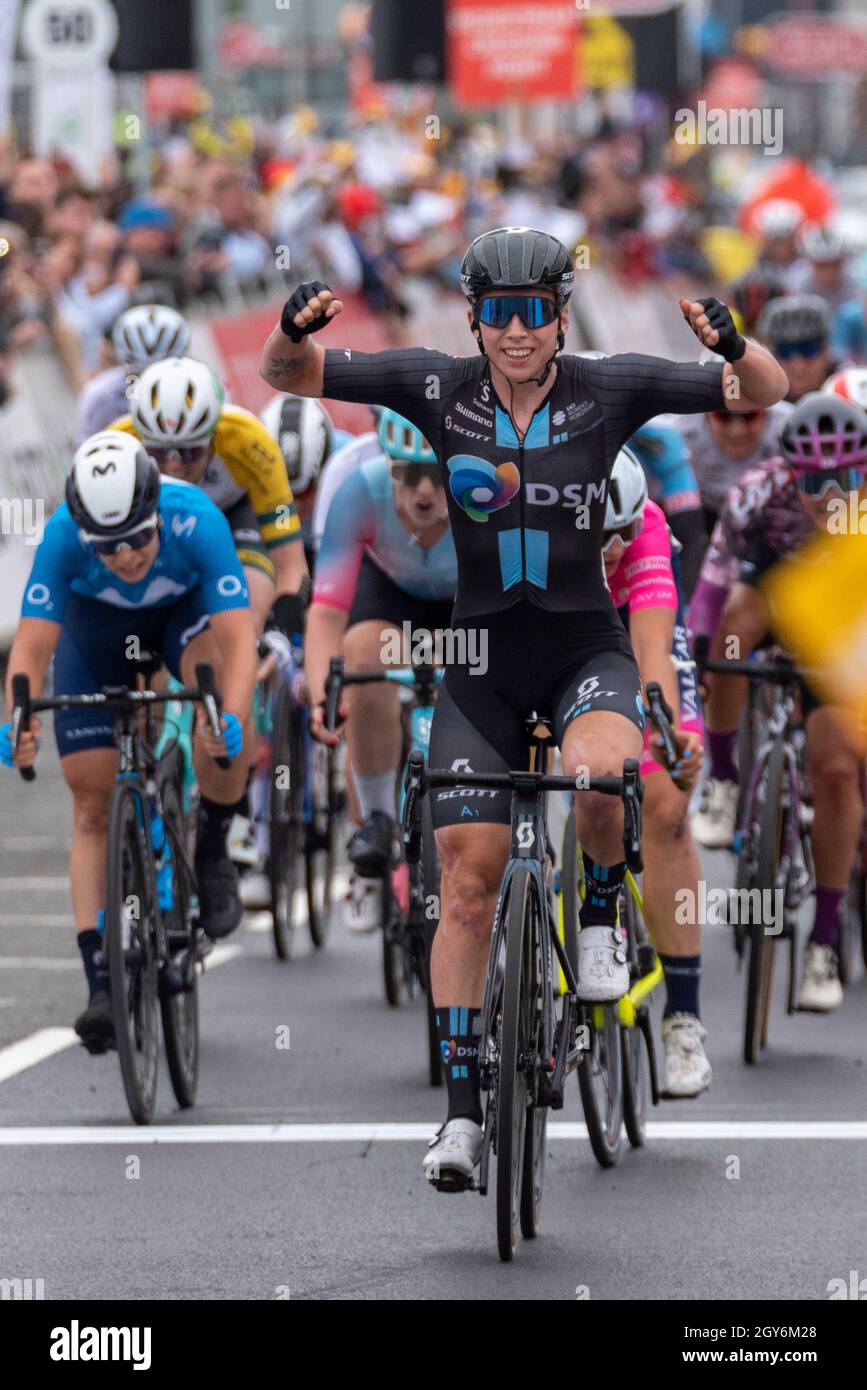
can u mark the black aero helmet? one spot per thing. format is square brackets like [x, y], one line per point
[517, 258]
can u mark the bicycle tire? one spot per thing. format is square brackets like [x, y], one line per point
[285, 793]
[634, 1061]
[600, 1067]
[393, 967]
[320, 833]
[133, 969]
[512, 1089]
[180, 1012]
[761, 945]
[536, 1124]
[430, 884]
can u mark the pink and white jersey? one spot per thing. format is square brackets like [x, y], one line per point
[644, 578]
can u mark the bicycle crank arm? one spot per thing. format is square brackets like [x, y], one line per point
[647, 1030]
[552, 1085]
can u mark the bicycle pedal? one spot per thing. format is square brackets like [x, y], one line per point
[171, 982]
[454, 1182]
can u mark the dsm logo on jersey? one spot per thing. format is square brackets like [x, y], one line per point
[479, 487]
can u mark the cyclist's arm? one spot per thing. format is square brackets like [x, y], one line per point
[349, 528]
[755, 381]
[665, 459]
[235, 634]
[323, 639]
[295, 367]
[32, 650]
[651, 631]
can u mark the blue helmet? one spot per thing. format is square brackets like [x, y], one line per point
[402, 441]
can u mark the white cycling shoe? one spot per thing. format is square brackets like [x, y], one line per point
[603, 970]
[364, 907]
[255, 890]
[686, 1069]
[715, 821]
[453, 1154]
[821, 991]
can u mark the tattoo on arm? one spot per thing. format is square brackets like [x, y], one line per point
[281, 367]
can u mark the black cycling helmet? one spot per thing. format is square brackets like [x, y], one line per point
[114, 486]
[752, 292]
[513, 258]
[794, 318]
[517, 258]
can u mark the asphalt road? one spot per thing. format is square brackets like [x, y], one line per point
[298, 1173]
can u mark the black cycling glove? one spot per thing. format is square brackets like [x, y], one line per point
[297, 301]
[731, 345]
[288, 613]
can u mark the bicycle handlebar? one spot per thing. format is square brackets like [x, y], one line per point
[781, 672]
[419, 781]
[337, 679]
[662, 718]
[111, 697]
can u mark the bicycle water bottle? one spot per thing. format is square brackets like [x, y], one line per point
[165, 875]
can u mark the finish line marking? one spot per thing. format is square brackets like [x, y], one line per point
[50, 1135]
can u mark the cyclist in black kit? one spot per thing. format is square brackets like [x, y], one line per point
[526, 439]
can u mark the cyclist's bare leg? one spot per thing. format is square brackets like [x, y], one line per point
[373, 732]
[835, 770]
[597, 743]
[671, 864]
[90, 776]
[742, 626]
[473, 858]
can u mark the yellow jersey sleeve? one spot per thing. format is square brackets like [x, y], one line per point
[254, 460]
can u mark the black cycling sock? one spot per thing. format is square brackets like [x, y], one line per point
[603, 885]
[459, 1030]
[682, 979]
[214, 822]
[90, 946]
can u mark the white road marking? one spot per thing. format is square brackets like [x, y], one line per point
[696, 1130]
[34, 884]
[44, 1043]
[43, 919]
[25, 842]
[28, 1051]
[38, 963]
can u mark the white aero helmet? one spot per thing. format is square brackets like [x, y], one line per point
[778, 217]
[177, 401]
[627, 494]
[850, 383]
[114, 485]
[148, 333]
[303, 429]
[823, 244]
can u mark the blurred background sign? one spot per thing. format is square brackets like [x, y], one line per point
[70, 42]
[816, 46]
[8, 24]
[606, 54]
[508, 50]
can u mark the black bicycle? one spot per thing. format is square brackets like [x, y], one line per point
[152, 940]
[530, 1038]
[772, 843]
[407, 932]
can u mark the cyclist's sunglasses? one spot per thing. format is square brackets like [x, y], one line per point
[832, 480]
[136, 540]
[746, 417]
[810, 347]
[185, 453]
[411, 474]
[534, 310]
[626, 534]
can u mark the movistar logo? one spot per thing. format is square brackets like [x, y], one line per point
[103, 468]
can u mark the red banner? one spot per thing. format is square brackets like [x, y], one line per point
[511, 50]
[817, 46]
[240, 338]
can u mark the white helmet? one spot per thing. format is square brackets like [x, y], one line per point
[114, 485]
[627, 492]
[592, 355]
[303, 429]
[778, 217]
[823, 244]
[148, 333]
[850, 383]
[177, 401]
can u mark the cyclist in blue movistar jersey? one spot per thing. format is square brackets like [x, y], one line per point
[143, 334]
[526, 439]
[132, 563]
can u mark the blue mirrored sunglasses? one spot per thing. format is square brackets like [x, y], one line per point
[842, 479]
[534, 310]
[136, 540]
[811, 347]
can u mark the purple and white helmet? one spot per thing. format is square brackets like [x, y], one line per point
[824, 432]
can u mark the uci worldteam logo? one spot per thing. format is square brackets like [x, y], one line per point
[480, 488]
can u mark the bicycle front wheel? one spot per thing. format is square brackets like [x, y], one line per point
[633, 1042]
[430, 882]
[180, 1012]
[513, 1095]
[320, 833]
[285, 805]
[129, 943]
[761, 944]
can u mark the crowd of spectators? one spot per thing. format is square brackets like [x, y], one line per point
[393, 201]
